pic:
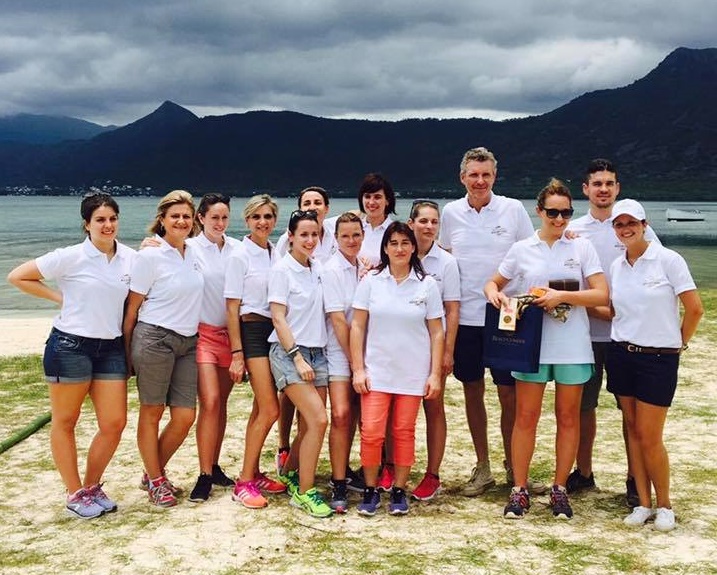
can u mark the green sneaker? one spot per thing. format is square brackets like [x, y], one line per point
[291, 480]
[311, 502]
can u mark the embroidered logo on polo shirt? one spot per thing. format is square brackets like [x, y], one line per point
[653, 281]
[125, 279]
[419, 299]
[571, 263]
[499, 231]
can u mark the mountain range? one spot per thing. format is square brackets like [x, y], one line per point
[661, 131]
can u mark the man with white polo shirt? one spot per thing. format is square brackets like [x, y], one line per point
[478, 230]
[601, 188]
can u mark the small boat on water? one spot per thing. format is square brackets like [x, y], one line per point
[674, 215]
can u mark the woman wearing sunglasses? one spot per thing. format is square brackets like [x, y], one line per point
[297, 355]
[249, 325]
[566, 355]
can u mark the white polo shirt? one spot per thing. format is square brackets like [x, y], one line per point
[172, 286]
[398, 345]
[323, 252]
[246, 277]
[212, 262]
[479, 241]
[645, 297]
[371, 246]
[300, 289]
[532, 262]
[608, 247]
[340, 278]
[93, 288]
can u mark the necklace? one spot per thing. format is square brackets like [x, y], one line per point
[399, 280]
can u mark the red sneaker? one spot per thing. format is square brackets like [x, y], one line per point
[385, 481]
[267, 484]
[428, 488]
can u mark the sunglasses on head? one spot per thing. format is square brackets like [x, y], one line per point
[424, 202]
[298, 215]
[553, 213]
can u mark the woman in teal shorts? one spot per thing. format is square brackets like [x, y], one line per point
[566, 355]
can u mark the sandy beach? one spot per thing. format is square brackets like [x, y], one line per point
[451, 534]
[23, 335]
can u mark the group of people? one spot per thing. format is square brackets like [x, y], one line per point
[374, 314]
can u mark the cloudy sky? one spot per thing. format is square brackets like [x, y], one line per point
[113, 62]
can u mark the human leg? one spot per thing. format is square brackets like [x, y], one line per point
[110, 402]
[65, 405]
[528, 406]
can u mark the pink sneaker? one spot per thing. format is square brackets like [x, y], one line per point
[428, 488]
[267, 484]
[160, 493]
[246, 493]
[385, 481]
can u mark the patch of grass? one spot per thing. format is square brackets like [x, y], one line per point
[568, 557]
[626, 562]
[26, 557]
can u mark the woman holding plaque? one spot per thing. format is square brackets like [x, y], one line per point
[566, 355]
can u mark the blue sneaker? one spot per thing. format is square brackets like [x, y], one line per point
[80, 504]
[398, 505]
[371, 502]
[100, 497]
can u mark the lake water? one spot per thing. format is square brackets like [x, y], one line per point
[36, 225]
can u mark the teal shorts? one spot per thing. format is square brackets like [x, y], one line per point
[565, 373]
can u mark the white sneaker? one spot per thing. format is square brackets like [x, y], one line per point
[664, 519]
[480, 481]
[638, 516]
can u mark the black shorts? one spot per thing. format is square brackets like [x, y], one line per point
[650, 378]
[254, 336]
[468, 363]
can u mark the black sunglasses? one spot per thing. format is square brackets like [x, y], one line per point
[298, 215]
[553, 213]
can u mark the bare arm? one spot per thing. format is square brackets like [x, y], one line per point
[605, 312]
[693, 313]
[433, 383]
[286, 339]
[452, 309]
[342, 330]
[237, 367]
[134, 302]
[27, 277]
[493, 290]
[357, 338]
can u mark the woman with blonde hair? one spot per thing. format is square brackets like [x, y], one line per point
[160, 330]
[249, 324]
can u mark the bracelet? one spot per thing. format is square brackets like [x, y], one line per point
[239, 350]
[291, 352]
[685, 347]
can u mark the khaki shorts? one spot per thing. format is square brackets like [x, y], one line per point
[166, 366]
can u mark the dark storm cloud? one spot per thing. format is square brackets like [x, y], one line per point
[116, 62]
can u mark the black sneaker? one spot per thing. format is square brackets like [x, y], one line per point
[559, 503]
[339, 497]
[220, 478]
[202, 489]
[518, 504]
[354, 480]
[578, 482]
[631, 497]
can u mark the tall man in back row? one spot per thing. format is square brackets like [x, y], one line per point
[478, 230]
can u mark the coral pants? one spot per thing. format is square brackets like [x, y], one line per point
[375, 409]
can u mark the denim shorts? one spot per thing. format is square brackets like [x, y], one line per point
[74, 359]
[166, 366]
[284, 370]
